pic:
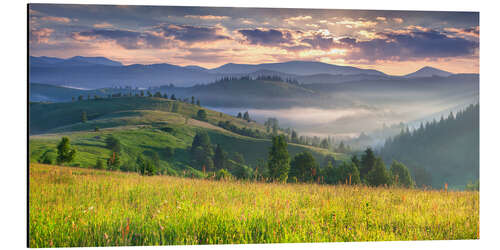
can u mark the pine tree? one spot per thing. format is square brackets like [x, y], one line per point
[246, 116]
[367, 163]
[220, 158]
[278, 159]
[378, 175]
[64, 151]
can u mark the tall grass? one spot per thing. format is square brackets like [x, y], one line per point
[72, 207]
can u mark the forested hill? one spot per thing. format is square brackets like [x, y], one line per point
[445, 151]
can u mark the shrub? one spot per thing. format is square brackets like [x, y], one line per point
[223, 174]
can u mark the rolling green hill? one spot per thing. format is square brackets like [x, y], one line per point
[143, 125]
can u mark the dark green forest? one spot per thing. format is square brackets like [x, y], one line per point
[439, 152]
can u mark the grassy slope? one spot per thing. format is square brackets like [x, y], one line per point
[137, 122]
[73, 207]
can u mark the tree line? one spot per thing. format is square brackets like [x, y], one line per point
[141, 93]
[438, 152]
[214, 161]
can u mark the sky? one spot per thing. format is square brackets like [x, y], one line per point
[395, 42]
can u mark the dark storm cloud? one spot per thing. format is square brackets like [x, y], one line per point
[319, 42]
[188, 33]
[416, 44]
[125, 38]
[271, 37]
[403, 45]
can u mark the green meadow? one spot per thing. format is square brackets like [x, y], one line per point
[76, 207]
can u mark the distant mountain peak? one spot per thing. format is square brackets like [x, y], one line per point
[295, 67]
[74, 61]
[428, 71]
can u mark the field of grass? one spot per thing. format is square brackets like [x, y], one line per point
[70, 207]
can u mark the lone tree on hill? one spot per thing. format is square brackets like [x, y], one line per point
[278, 159]
[64, 151]
[201, 115]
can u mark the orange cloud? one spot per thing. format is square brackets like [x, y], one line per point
[41, 36]
[473, 32]
[398, 20]
[103, 25]
[56, 19]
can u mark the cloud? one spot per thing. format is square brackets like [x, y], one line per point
[208, 17]
[357, 24]
[246, 21]
[414, 44]
[191, 34]
[34, 12]
[320, 42]
[269, 37]
[56, 19]
[368, 34]
[124, 38]
[292, 20]
[398, 20]
[103, 25]
[40, 36]
[381, 18]
[473, 32]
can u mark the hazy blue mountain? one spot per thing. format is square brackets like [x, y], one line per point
[296, 68]
[44, 61]
[80, 60]
[428, 72]
[194, 67]
[102, 76]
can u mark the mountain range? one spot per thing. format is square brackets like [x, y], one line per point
[101, 72]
